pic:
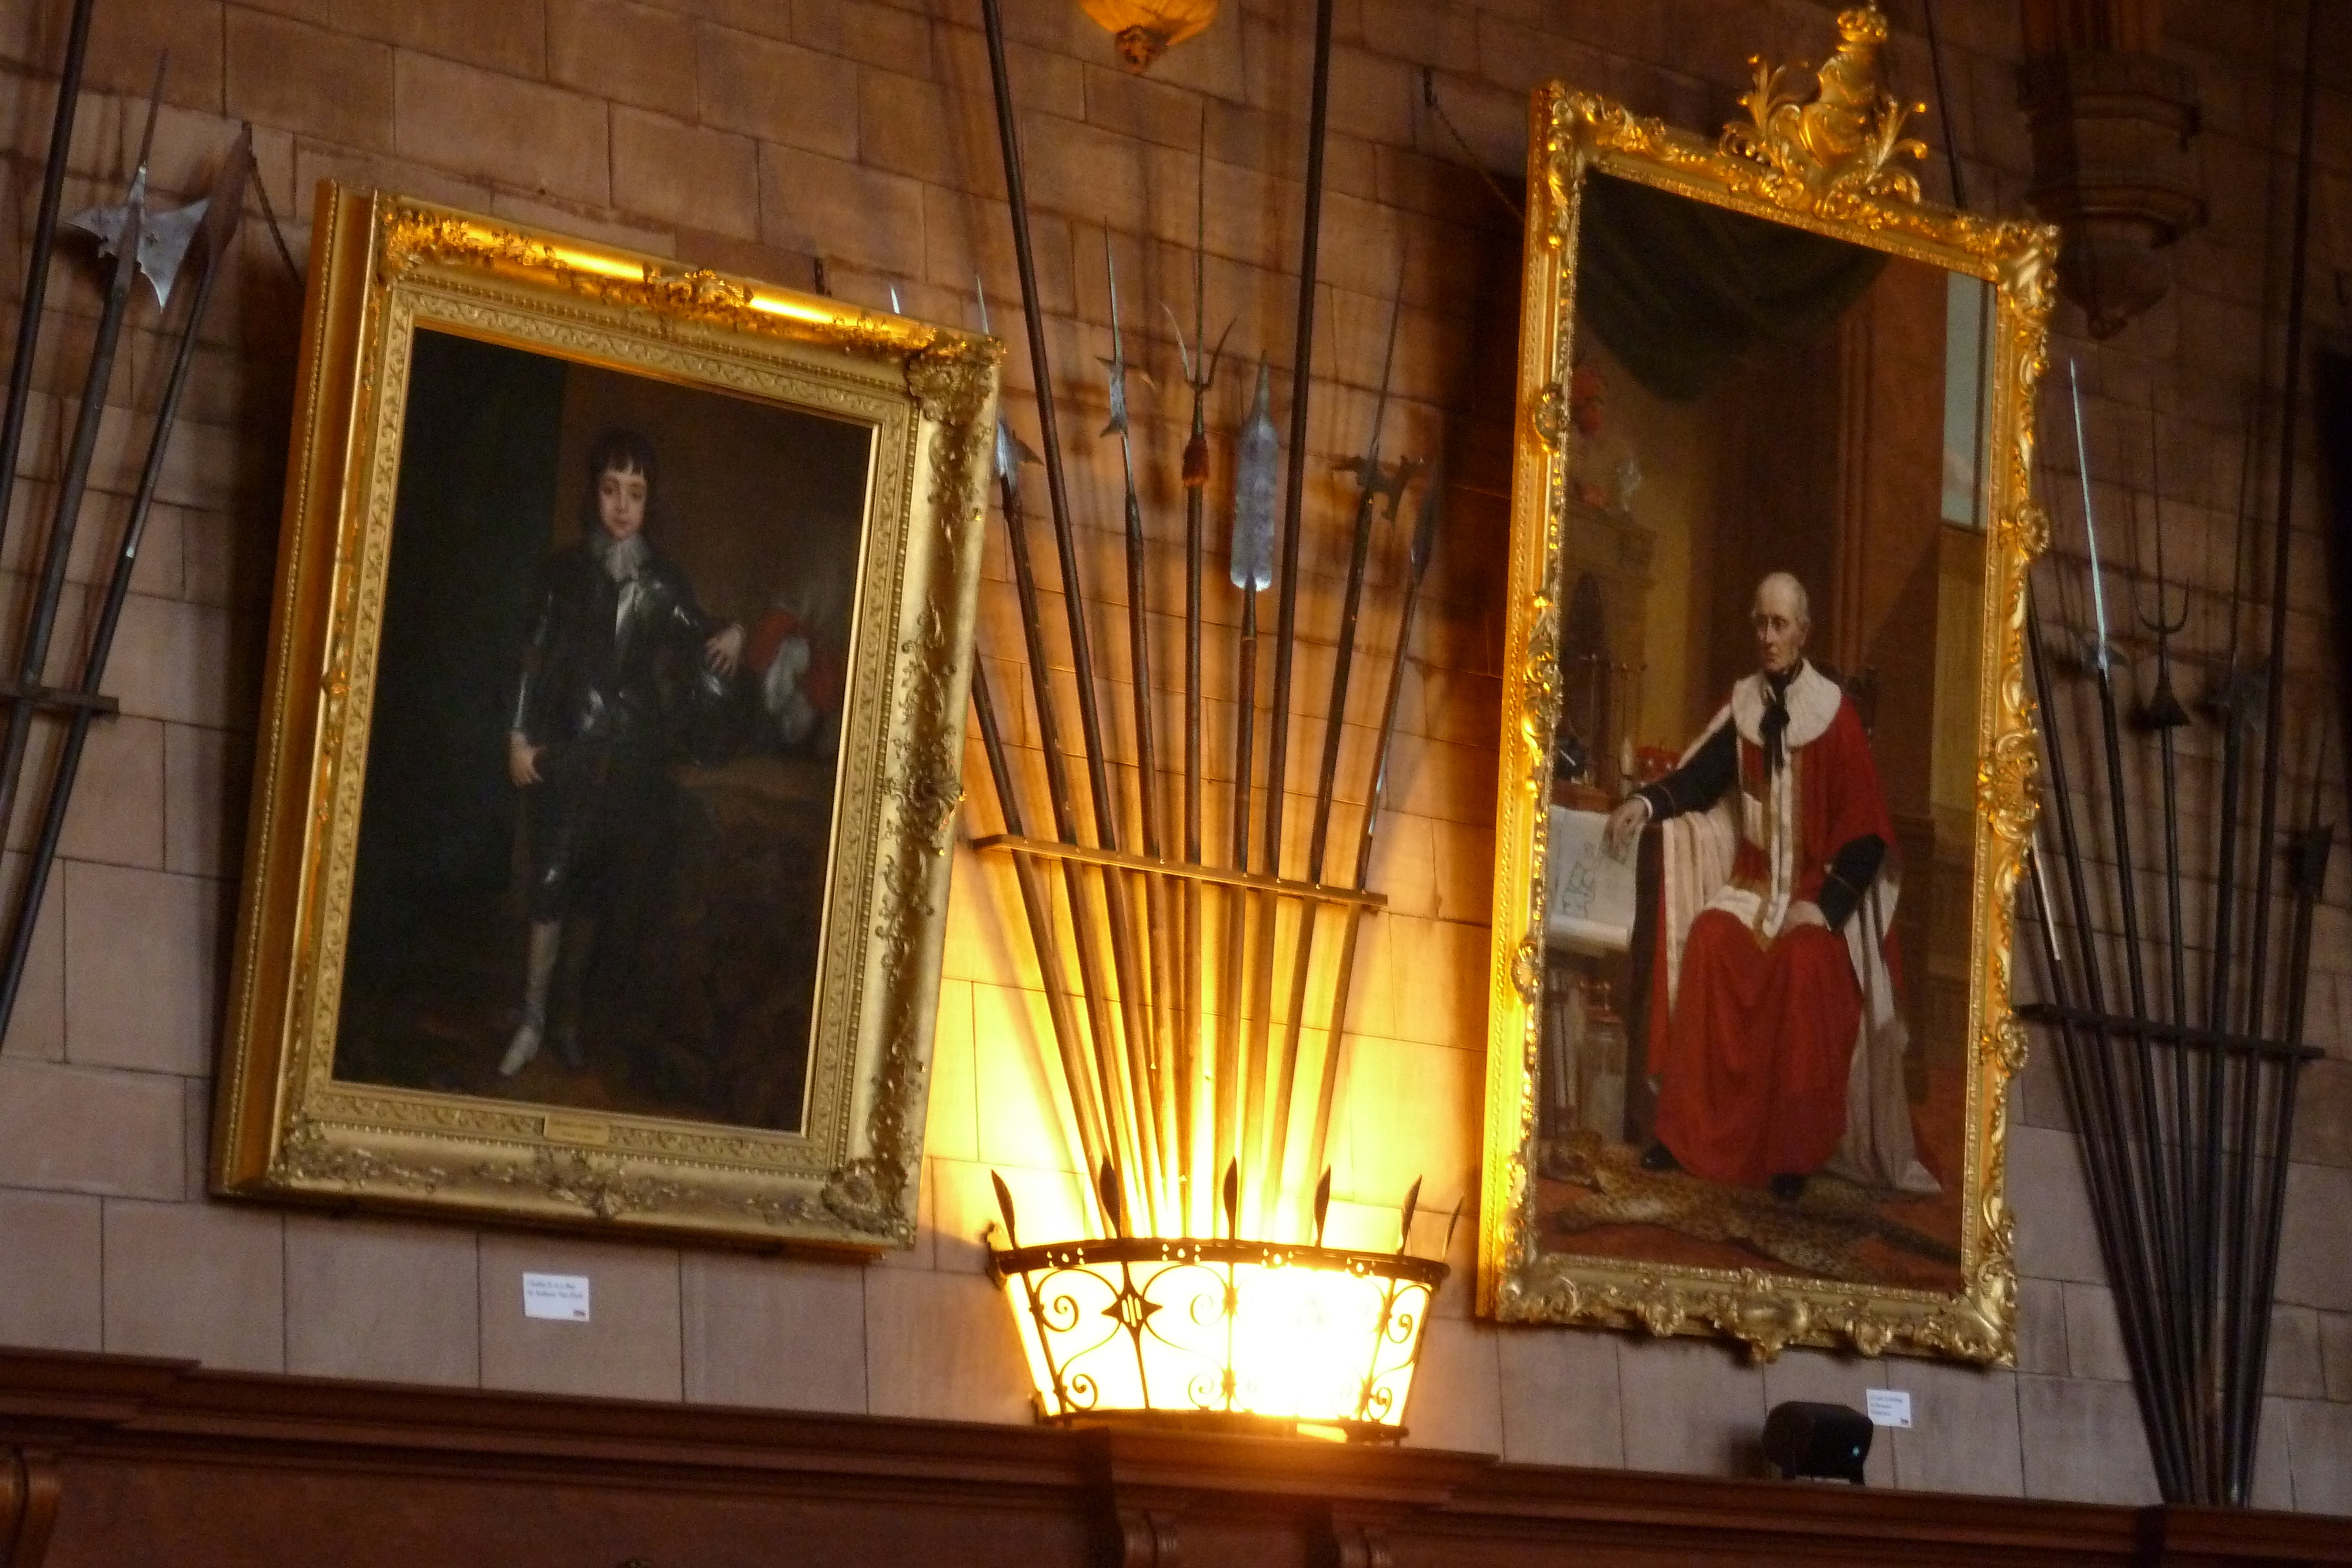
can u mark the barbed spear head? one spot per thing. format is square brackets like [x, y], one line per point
[1011, 451]
[1425, 530]
[1254, 458]
[1372, 478]
[1116, 364]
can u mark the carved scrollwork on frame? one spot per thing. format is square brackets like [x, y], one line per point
[1825, 151]
[385, 270]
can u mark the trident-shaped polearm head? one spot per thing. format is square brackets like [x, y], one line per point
[1011, 451]
[1199, 373]
[1254, 458]
[159, 240]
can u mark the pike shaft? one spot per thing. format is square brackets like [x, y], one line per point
[1238, 905]
[1327, 1092]
[1277, 744]
[1117, 1111]
[2091, 1081]
[1333, 730]
[101, 643]
[71, 488]
[37, 265]
[2282, 520]
[1037, 901]
[1132, 985]
[1157, 926]
[1189, 1039]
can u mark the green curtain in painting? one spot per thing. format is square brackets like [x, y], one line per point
[1679, 289]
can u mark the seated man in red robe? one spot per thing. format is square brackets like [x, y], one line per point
[1774, 1034]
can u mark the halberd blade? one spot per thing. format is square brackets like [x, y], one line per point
[1254, 474]
[163, 238]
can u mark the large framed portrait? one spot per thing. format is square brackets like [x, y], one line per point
[613, 732]
[1766, 755]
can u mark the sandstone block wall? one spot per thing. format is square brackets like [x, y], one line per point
[853, 139]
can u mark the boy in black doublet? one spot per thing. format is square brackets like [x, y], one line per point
[592, 726]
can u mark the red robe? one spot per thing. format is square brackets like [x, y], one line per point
[1753, 1048]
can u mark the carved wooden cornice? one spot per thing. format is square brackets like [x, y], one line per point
[263, 1469]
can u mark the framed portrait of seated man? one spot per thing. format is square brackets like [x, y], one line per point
[613, 727]
[1766, 757]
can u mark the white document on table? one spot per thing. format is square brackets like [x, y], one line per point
[1589, 904]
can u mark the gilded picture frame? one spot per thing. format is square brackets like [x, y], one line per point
[389, 1040]
[1830, 162]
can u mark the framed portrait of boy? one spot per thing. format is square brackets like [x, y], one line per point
[1766, 759]
[612, 729]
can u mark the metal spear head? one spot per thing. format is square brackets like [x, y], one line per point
[1117, 363]
[1004, 1205]
[1254, 458]
[2164, 710]
[1011, 452]
[1424, 530]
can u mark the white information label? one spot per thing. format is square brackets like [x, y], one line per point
[564, 1298]
[1887, 1407]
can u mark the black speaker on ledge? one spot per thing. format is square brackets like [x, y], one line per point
[1817, 1442]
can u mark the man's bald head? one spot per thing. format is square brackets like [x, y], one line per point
[1783, 618]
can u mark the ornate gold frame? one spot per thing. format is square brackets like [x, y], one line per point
[381, 267]
[1829, 165]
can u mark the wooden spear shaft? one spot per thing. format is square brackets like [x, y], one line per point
[1286, 618]
[1037, 901]
[1372, 486]
[1188, 1041]
[1252, 569]
[1132, 986]
[1118, 1112]
[1327, 1091]
[1160, 1063]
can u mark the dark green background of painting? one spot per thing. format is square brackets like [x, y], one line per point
[477, 484]
[759, 504]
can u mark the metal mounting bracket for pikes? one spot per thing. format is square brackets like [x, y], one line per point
[138, 242]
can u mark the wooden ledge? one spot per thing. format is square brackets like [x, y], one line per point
[251, 1468]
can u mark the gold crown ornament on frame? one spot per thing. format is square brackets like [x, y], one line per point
[1767, 757]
